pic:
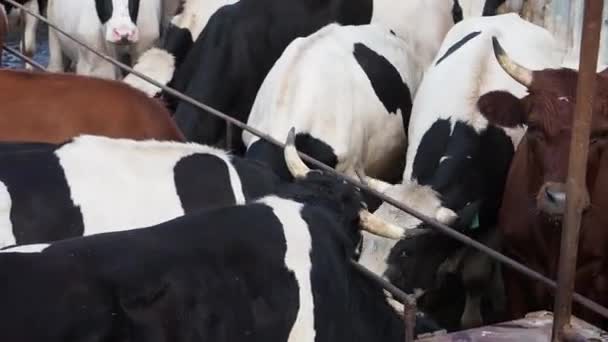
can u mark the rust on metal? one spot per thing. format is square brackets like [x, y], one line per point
[409, 317]
[577, 169]
[536, 326]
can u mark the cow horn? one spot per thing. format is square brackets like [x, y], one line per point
[518, 72]
[376, 184]
[377, 226]
[294, 163]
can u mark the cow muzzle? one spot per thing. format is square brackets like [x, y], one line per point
[122, 32]
[551, 200]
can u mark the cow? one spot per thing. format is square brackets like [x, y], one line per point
[45, 107]
[3, 28]
[159, 62]
[463, 9]
[456, 162]
[30, 25]
[276, 269]
[92, 184]
[229, 61]
[362, 80]
[533, 204]
[117, 28]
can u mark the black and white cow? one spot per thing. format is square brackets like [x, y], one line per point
[456, 161]
[240, 43]
[348, 90]
[274, 270]
[464, 9]
[92, 184]
[117, 28]
[186, 25]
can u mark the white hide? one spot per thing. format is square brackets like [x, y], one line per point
[318, 87]
[17, 18]
[122, 184]
[375, 249]
[471, 8]
[159, 64]
[6, 227]
[28, 43]
[80, 19]
[297, 260]
[410, 20]
[33, 248]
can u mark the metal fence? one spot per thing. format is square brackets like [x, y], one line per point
[580, 140]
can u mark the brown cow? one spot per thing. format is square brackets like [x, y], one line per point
[53, 108]
[534, 199]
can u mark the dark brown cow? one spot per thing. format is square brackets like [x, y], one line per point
[534, 199]
[53, 108]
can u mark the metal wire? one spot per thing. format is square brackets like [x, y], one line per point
[589, 304]
[25, 58]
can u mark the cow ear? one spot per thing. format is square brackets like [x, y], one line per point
[502, 108]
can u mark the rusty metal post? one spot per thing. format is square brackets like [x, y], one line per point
[409, 317]
[577, 169]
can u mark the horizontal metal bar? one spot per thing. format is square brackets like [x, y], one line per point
[23, 57]
[603, 311]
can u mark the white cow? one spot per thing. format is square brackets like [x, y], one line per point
[347, 90]
[113, 27]
[159, 63]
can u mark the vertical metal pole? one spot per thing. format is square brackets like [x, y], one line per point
[409, 317]
[229, 132]
[577, 169]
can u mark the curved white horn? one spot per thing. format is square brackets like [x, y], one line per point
[377, 226]
[518, 72]
[376, 184]
[294, 163]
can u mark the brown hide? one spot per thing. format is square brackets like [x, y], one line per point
[53, 108]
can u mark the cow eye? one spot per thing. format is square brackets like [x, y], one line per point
[535, 131]
[598, 137]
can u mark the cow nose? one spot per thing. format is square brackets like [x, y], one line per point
[123, 36]
[552, 199]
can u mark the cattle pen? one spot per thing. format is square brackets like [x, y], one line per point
[561, 321]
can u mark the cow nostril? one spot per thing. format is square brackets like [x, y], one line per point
[550, 196]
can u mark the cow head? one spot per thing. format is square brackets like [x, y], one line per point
[463, 9]
[335, 195]
[548, 110]
[119, 20]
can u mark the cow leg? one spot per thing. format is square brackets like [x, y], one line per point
[55, 54]
[471, 316]
[90, 64]
[477, 271]
[28, 42]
